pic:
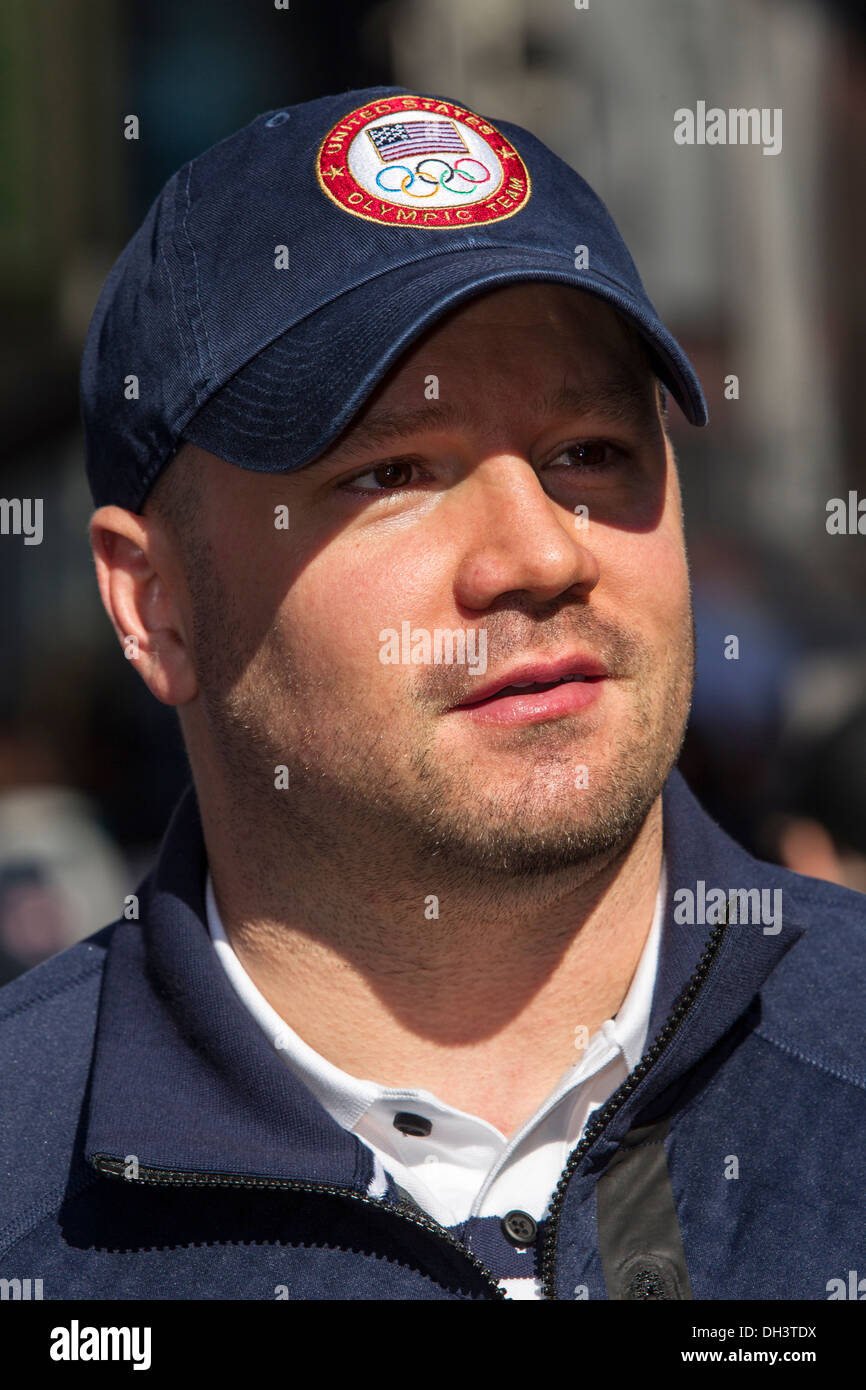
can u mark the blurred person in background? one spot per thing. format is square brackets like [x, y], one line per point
[819, 826]
[58, 865]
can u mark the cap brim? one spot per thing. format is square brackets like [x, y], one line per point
[292, 401]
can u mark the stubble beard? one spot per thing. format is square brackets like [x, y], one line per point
[569, 811]
[370, 807]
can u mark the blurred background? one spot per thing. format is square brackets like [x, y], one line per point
[755, 263]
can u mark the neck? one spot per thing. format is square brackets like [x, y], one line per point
[470, 989]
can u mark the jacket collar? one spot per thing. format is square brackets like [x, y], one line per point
[700, 856]
[184, 1079]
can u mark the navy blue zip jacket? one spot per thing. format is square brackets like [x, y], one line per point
[154, 1145]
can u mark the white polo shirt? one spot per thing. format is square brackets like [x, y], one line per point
[465, 1167]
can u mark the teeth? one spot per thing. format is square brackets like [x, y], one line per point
[524, 685]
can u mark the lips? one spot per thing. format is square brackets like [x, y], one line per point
[535, 676]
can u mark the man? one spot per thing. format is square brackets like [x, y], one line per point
[444, 986]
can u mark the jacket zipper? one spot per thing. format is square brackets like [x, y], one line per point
[167, 1177]
[606, 1113]
[170, 1177]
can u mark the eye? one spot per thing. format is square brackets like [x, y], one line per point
[592, 454]
[391, 476]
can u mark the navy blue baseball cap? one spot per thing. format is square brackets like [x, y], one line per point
[280, 274]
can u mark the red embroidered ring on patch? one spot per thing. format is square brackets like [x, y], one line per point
[417, 162]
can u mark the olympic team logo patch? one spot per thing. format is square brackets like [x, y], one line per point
[418, 162]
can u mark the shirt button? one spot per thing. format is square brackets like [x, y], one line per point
[408, 1123]
[519, 1228]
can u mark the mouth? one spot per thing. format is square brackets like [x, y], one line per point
[527, 687]
[537, 693]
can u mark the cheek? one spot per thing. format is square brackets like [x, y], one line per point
[346, 596]
[252, 562]
[646, 573]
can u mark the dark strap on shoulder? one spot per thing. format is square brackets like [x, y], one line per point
[639, 1236]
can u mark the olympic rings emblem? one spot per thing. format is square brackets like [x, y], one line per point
[441, 182]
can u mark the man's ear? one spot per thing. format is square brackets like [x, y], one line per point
[143, 590]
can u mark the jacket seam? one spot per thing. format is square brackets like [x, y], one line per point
[37, 1212]
[852, 1080]
[695, 1104]
[46, 997]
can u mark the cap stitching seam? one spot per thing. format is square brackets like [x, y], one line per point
[417, 260]
[205, 371]
[615, 284]
[590, 272]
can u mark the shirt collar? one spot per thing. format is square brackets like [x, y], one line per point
[343, 1096]
[347, 1099]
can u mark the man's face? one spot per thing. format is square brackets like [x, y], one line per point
[534, 500]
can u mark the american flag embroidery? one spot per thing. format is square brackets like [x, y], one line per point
[420, 162]
[406, 138]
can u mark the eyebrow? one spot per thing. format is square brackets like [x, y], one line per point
[617, 400]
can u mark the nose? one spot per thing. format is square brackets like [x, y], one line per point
[515, 538]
